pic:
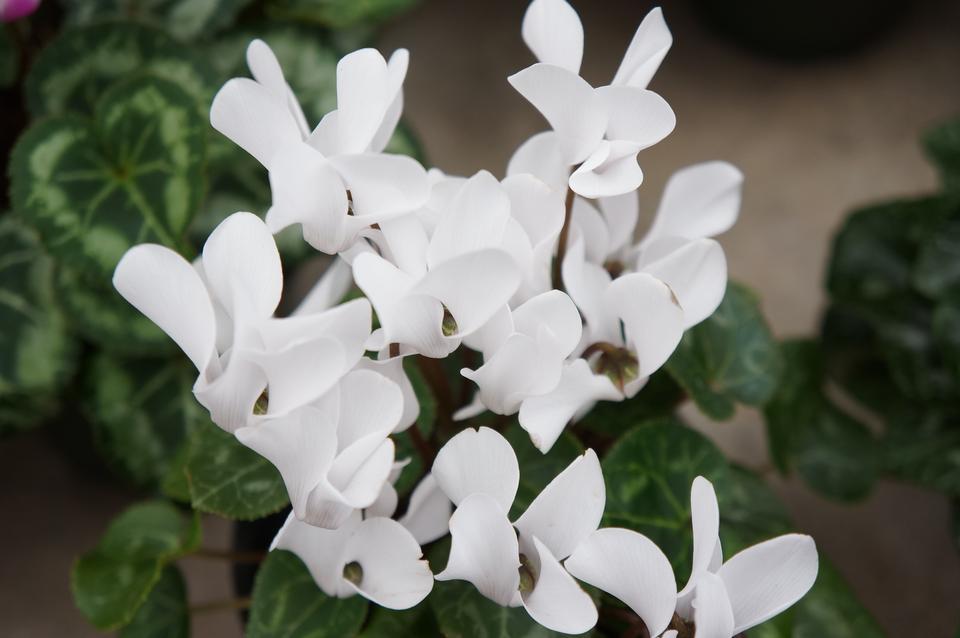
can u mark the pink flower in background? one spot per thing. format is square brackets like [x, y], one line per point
[11, 10]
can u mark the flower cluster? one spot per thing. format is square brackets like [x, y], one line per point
[536, 272]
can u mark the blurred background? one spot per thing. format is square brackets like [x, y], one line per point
[821, 110]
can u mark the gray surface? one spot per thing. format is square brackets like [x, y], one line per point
[812, 140]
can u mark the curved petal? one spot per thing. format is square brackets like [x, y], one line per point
[540, 156]
[396, 72]
[307, 190]
[553, 32]
[571, 106]
[766, 579]
[611, 170]
[477, 219]
[265, 68]
[483, 549]
[567, 510]
[545, 416]
[586, 284]
[705, 518]
[712, 613]
[254, 118]
[652, 318]
[696, 273]
[300, 445]
[473, 286]
[386, 503]
[383, 185]
[523, 366]
[321, 550]
[493, 334]
[593, 230]
[369, 402]
[231, 396]
[702, 200]
[637, 115]
[348, 323]
[537, 207]
[556, 601]
[354, 482]
[407, 241]
[363, 96]
[428, 514]
[332, 286]
[628, 566]
[621, 213]
[553, 310]
[167, 290]
[646, 51]
[300, 373]
[478, 462]
[393, 370]
[242, 266]
[393, 574]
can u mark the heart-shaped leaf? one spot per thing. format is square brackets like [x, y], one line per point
[133, 174]
[338, 14]
[189, 19]
[164, 614]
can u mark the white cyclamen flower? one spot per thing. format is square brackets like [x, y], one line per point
[334, 181]
[334, 455]
[376, 557]
[220, 314]
[520, 563]
[724, 598]
[427, 516]
[599, 129]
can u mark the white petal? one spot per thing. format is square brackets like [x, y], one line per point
[307, 190]
[300, 373]
[393, 369]
[473, 286]
[300, 445]
[696, 273]
[332, 286]
[363, 95]
[611, 170]
[254, 118]
[478, 461]
[396, 72]
[348, 323]
[407, 240]
[484, 548]
[524, 366]
[354, 482]
[242, 266]
[493, 334]
[470, 410]
[266, 70]
[321, 550]
[702, 200]
[705, 519]
[557, 602]
[428, 514]
[164, 286]
[552, 30]
[568, 509]
[637, 115]
[628, 566]
[544, 417]
[536, 206]
[369, 402]
[540, 156]
[386, 503]
[766, 579]
[593, 230]
[231, 396]
[711, 609]
[670, 633]
[477, 219]
[394, 576]
[652, 319]
[553, 310]
[621, 213]
[647, 49]
[383, 185]
[571, 106]
[586, 283]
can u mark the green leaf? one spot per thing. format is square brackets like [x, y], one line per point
[111, 582]
[164, 614]
[134, 174]
[338, 14]
[937, 269]
[659, 398]
[463, 613]
[142, 411]
[942, 144]
[648, 474]
[536, 468]
[730, 357]
[288, 603]
[834, 453]
[9, 58]
[750, 512]
[388, 623]
[188, 19]
[74, 70]
[231, 480]
[37, 355]
[99, 314]
[923, 447]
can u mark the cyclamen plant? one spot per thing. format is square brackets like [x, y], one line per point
[536, 272]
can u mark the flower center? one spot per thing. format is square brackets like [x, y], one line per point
[353, 572]
[620, 365]
[448, 324]
[615, 267]
[263, 402]
[527, 580]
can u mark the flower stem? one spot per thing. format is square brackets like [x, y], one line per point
[218, 605]
[435, 377]
[234, 557]
[562, 242]
[423, 447]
